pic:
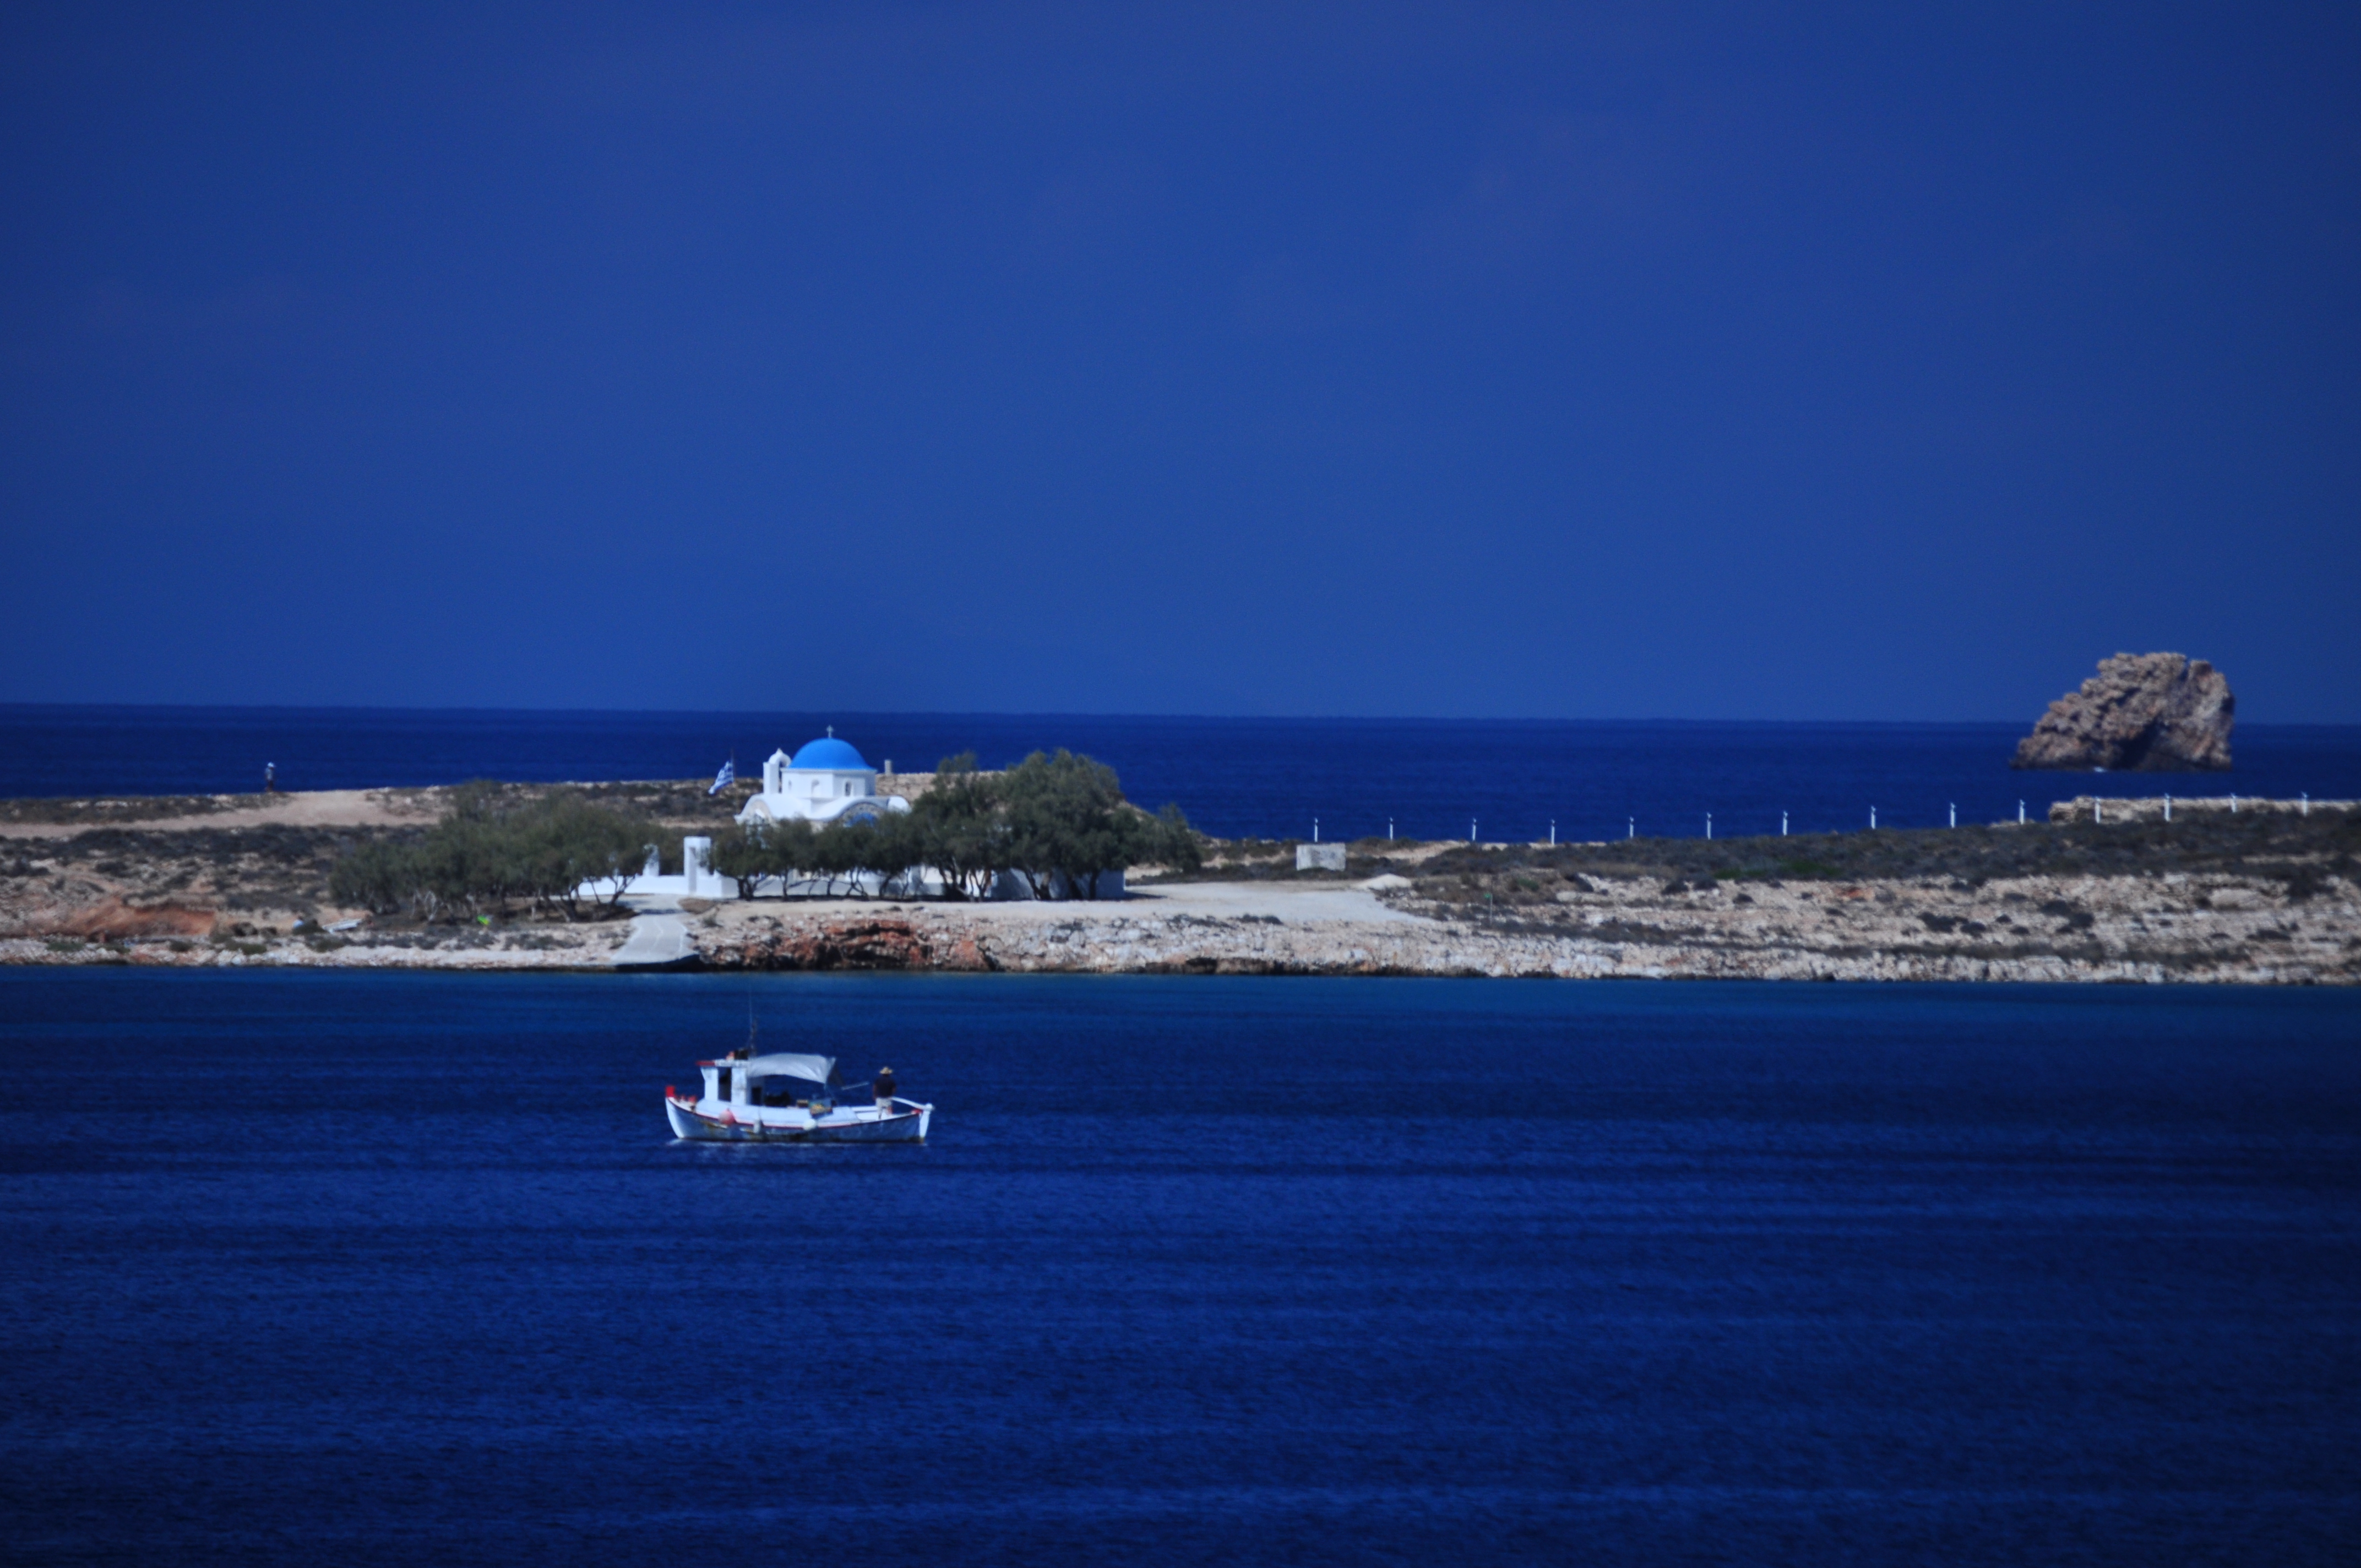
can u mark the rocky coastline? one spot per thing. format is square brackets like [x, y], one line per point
[2217, 931]
[2270, 895]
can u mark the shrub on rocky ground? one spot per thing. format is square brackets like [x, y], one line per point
[499, 845]
[2302, 852]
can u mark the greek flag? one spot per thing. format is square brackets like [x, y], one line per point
[726, 777]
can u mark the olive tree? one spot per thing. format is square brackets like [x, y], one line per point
[1069, 825]
[744, 855]
[492, 845]
[962, 828]
[794, 852]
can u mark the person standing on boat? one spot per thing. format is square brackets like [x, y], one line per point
[884, 1085]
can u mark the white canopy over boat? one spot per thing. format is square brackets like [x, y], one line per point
[787, 1064]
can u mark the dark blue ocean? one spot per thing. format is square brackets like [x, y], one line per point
[383, 1268]
[1268, 777]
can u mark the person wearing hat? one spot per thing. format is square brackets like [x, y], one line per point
[884, 1085]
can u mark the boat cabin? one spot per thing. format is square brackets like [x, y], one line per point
[770, 1079]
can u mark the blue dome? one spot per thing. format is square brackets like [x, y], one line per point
[829, 753]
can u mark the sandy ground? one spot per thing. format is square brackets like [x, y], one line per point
[309, 808]
[1290, 902]
[2198, 929]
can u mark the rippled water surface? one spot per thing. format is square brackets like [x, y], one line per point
[382, 1268]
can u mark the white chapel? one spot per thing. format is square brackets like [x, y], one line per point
[826, 780]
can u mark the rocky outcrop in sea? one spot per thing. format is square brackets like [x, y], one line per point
[2142, 712]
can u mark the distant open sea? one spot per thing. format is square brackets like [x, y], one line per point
[1266, 777]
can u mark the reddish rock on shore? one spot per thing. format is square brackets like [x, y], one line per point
[2141, 713]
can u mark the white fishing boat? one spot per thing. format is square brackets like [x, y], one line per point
[788, 1097]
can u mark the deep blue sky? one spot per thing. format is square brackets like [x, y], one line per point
[1895, 363]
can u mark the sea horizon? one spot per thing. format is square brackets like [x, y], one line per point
[1261, 776]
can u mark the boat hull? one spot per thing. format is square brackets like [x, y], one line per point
[902, 1123]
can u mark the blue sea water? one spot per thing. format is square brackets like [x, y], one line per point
[1269, 777]
[376, 1269]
